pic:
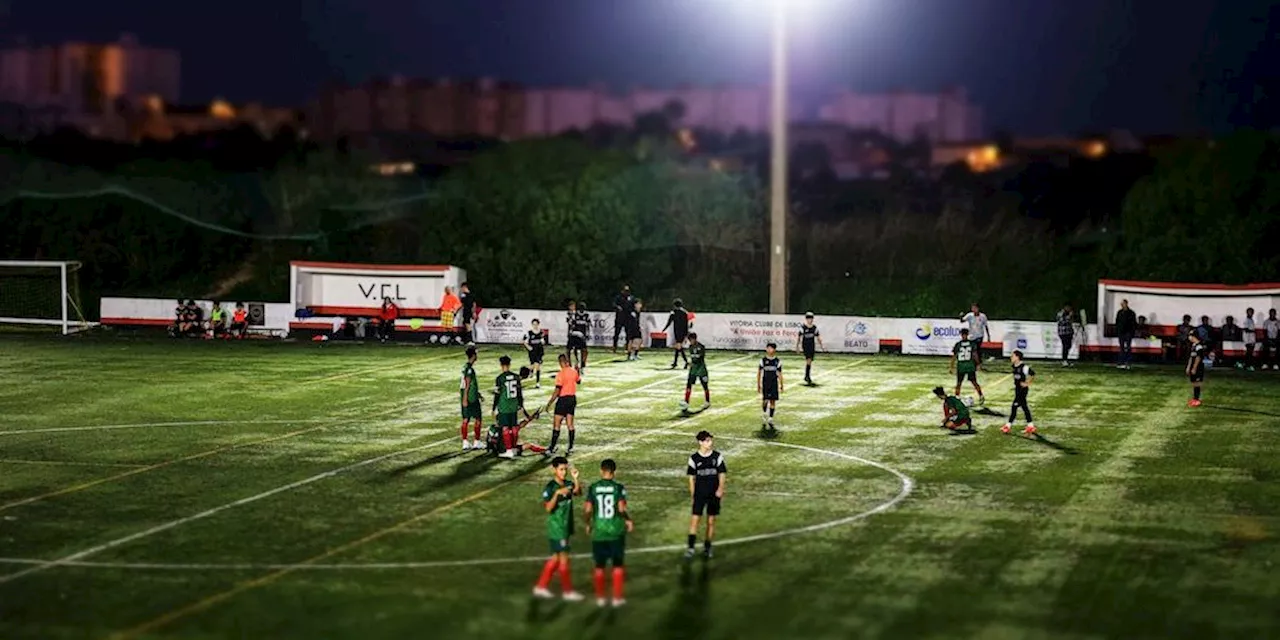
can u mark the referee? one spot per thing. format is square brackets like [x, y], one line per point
[706, 486]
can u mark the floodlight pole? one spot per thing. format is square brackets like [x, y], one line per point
[778, 171]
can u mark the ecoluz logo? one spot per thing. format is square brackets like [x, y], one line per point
[926, 331]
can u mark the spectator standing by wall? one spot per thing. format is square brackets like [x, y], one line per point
[468, 315]
[1249, 332]
[1230, 332]
[1271, 327]
[449, 306]
[623, 305]
[387, 320]
[1066, 332]
[1126, 329]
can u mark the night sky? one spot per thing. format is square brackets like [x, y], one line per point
[1036, 66]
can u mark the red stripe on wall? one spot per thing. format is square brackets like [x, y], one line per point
[373, 311]
[370, 267]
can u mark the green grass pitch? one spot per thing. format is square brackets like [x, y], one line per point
[197, 490]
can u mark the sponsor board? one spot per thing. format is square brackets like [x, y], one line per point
[1036, 340]
[931, 337]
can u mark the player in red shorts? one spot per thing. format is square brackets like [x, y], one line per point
[955, 413]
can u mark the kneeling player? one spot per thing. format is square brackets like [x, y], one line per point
[608, 524]
[769, 384]
[955, 413]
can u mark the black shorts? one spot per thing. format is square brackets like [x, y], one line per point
[809, 351]
[565, 405]
[535, 355]
[769, 391]
[1197, 375]
[633, 334]
[576, 342]
[678, 340]
[706, 505]
[971, 376]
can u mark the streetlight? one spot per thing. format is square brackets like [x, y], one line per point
[778, 170]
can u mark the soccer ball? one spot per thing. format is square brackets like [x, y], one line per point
[968, 401]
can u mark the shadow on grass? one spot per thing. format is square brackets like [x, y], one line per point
[962, 432]
[436, 459]
[688, 617]
[466, 470]
[987, 411]
[768, 434]
[685, 414]
[541, 611]
[1239, 410]
[1039, 439]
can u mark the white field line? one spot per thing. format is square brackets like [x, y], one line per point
[68, 463]
[907, 485]
[216, 510]
[148, 425]
[254, 498]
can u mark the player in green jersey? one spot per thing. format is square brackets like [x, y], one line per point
[508, 404]
[964, 363]
[469, 395]
[697, 372]
[955, 413]
[608, 524]
[557, 501]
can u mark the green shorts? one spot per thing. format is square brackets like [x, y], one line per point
[472, 411]
[508, 419]
[700, 376]
[558, 546]
[609, 551]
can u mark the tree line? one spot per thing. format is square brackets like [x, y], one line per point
[537, 222]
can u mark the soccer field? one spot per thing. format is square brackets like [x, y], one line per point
[210, 490]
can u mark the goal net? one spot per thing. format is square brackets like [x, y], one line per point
[41, 294]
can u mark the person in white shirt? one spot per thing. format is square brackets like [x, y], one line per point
[1272, 346]
[977, 327]
[1248, 332]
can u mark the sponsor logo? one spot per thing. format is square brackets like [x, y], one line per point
[506, 314]
[856, 328]
[860, 343]
[504, 319]
[1022, 343]
[927, 331]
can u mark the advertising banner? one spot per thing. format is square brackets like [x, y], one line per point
[1036, 340]
[932, 337]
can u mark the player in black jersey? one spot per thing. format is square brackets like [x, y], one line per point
[769, 384]
[623, 303]
[1195, 367]
[535, 343]
[808, 340]
[1022, 375]
[678, 321]
[468, 314]
[632, 326]
[706, 473]
[579, 325]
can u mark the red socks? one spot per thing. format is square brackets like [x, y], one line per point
[509, 438]
[566, 581]
[619, 576]
[687, 391]
[464, 429]
[597, 577]
[478, 431]
[706, 392]
[535, 448]
[544, 579]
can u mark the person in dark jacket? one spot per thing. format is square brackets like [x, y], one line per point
[623, 305]
[1126, 329]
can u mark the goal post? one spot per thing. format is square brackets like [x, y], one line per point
[41, 293]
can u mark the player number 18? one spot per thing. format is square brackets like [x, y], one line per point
[604, 505]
